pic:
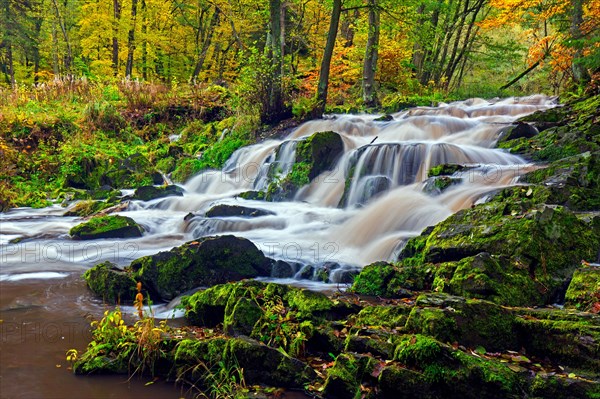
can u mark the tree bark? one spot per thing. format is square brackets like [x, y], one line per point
[144, 42]
[131, 40]
[206, 44]
[371, 55]
[322, 87]
[273, 110]
[580, 73]
[115, 38]
[69, 56]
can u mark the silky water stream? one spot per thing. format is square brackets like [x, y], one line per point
[331, 222]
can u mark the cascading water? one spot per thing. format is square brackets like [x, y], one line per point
[359, 212]
[364, 209]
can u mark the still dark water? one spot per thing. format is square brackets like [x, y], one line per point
[40, 321]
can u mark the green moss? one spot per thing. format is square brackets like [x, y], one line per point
[110, 282]
[393, 316]
[445, 169]
[418, 350]
[388, 280]
[584, 289]
[113, 226]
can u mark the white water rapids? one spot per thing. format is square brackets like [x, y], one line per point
[384, 204]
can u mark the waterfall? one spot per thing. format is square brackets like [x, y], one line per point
[363, 210]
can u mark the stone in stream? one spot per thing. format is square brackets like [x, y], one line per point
[517, 131]
[203, 262]
[149, 193]
[114, 226]
[314, 155]
[223, 210]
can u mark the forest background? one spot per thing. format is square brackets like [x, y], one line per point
[102, 86]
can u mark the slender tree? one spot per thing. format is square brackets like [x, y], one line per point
[131, 40]
[371, 54]
[115, 37]
[322, 87]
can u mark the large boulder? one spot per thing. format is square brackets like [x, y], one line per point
[114, 226]
[496, 251]
[204, 262]
[314, 155]
[113, 283]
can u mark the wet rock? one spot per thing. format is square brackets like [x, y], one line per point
[564, 132]
[584, 290]
[471, 322]
[107, 227]
[438, 184]
[204, 262]
[321, 151]
[384, 118]
[223, 210]
[514, 237]
[388, 280]
[115, 285]
[218, 304]
[314, 155]
[519, 130]
[573, 182]
[252, 195]
[283, 269]
[149, 193]
[447, 169]
[567, 338]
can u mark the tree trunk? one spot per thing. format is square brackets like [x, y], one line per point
[273, 110]
[36, 49]
[115, 38]
[11, 65]
[580, 73]
[371, 54]
[206, 44]
[69, 56]
[144, 42]
[321, 99]
[131, 40]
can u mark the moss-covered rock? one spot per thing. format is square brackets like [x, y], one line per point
[564, 132]
[218, 304]
[447, 169]
[114, 284]
[573, 182]
[345, 377]
[517, 131]
[438, 184]
[89, 207]
[314, 155]
[204, 262]
[484, 250]
[320, 151]
[470, 322]
[566, 338]
[584, 290]
[388, 280]
[148, 193]
[114, 226]
[443, 372]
